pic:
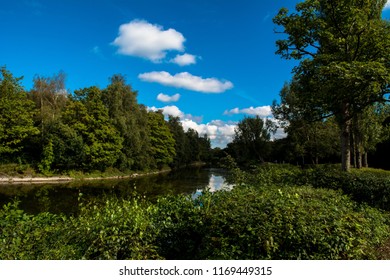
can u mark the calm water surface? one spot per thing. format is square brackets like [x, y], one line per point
[64, 197]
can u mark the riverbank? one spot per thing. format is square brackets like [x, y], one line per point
[5, 179]
[19, 174]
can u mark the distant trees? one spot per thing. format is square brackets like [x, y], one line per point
[342, 47]
[89, 129]
[251, 142]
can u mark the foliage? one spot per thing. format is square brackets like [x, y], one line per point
[307, 138]
[88, 116]
[342, 49]
[258, 219]
[251, 143]
[371, 187]
[161, 139]
[130, 120]
[16, 115]
[291, 223]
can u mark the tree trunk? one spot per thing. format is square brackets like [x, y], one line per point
[365, 160]
[353, 149]
[346, 145]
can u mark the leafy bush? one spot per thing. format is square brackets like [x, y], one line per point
[291, 223]
[245, 223]
[372, 187]
[117, 229]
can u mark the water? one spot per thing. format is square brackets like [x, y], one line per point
[64, 197]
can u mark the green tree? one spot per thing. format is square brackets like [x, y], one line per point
[342, 47]
[68, 147]
[368, 131]
[192, 148]
[16, 116]
[182, 157]
[88, 117]
[130, 120]
[50, 97]
[251, 142]
[161, 139]
[307, 138]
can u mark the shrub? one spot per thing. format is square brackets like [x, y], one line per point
[245, 223]
[371, 187]
[292, 223]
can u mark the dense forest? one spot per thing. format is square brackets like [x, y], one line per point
[90, 129]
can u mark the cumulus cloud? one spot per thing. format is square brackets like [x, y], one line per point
[184, 59]
[187, 81]
[168, 110]
[387, 5]
[167, 98]
[261, 111]
[143, 39]
[220, 133]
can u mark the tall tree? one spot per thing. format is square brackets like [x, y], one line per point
[88, 116]
[344, 66]
[130, 119]
[161, 139]
[182, 157]
[368, 130]
[50, 97]
[16, 116]
[308, 138]
[251, 142]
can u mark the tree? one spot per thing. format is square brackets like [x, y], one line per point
[131, 122]
[182, 157]
[368, 131]
[50, 96]
[161, 139]
[16, 116]
[88, 117]
[342, 47]
[251, 142]
[307, 138]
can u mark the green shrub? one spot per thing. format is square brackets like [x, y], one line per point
[245, 223]
[371, 187]
[181, 227]
[291, 223]
[116, 229]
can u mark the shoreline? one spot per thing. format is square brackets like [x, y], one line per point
[65, 179]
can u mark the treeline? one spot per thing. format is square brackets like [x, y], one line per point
[311, 142]
[90, 129]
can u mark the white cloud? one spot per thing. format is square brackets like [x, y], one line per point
[220, 133]
[261, 111]
[143, 39]
[167, 98]
[387, 5]
[169, 110]
[187, 81]
[184, 59]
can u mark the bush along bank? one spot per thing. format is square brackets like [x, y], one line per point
[249, 222]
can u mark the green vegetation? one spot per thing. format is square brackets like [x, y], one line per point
[343, 66]
[92, 129]
[274, 212]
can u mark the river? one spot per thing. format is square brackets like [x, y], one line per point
[64, 197]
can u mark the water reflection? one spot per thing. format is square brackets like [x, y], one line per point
[64, 197]
[216, 183]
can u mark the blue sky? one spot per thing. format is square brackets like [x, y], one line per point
[209, 62]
